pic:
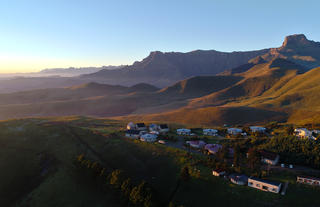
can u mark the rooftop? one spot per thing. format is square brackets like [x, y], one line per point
[268, 155]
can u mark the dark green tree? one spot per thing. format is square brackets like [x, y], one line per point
[115, 178]
[237, 156]
[290, 130]
[141, 195]
[185, 175]
[223, 153]
[126, 187]
[254, 160]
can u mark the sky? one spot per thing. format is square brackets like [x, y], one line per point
[38, 34]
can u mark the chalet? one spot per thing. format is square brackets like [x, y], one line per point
[212, 148]
[131, 126]
[163, 128]
[258, 129]
[218, 172]
[210, 132]
[234, 131]
[161, 141]
[304, 133]
[153, 127]
[264, 185]
[183, 131]
[239, 179]
[308, 180]
[148, 137]
[269, 158]
[141, 126]
[132, 134]
[316, 131]
[154, 132]
[196, 144]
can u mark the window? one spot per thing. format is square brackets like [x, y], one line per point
[264, 187]
[274, 190]
[258, 185]
[250, 183]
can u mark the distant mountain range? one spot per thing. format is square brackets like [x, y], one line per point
[163, 69]
[63, 72]
[277, 84]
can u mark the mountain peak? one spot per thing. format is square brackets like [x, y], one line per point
[296, 40]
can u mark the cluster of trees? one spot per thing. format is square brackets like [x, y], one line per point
[295, 151]
[234, 158]
[140, 194]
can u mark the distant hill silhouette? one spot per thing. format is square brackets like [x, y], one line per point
[163, 69]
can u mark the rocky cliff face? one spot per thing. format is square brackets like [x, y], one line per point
[298, 49]
[163, 69]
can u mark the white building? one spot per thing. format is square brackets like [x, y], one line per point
[163, 128]
[258, 129]
[269, 158]
[304, 133]
[308, 180]
[132, 134]
[153, 127]
[141, 126]
[218, 172]
[183, 131]
[316, 131]
[234, 131]
[131, 126]
[196, 143]
[210, 132]
[148, 137]
[264, 185]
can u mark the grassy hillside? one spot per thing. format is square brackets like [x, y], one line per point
[276, 89]
[199, 86]
[210, 116]
[257, 80]
[38, 168]
[43, 173]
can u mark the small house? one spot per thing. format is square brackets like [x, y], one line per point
[269, 158]
[183, 131]
[212, 148]
[239, 179]
[258, 129]
[131, 126]
[148, 137]
[132, 134]
[234, 131]
[218, 172]
[210, 132]
[304, 133]
[308, 180]
[264, 185]
[163, 128]
[196, 143]
[141, 127]
[153, 127]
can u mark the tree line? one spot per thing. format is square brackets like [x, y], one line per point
[133, 193]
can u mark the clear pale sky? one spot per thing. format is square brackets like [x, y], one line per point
[38, 34]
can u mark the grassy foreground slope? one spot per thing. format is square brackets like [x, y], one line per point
[37, 158]
[37, 168]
